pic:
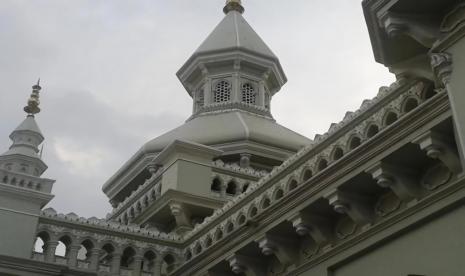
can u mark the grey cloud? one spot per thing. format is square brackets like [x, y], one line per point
[108, 70]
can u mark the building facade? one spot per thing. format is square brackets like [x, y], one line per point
[232, 192]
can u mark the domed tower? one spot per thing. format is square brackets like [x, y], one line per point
[23, 192]
[231, 78]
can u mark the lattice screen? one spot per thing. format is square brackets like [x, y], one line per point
[248, 93]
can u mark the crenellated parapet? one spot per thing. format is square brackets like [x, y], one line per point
[340, 187]
[99, 245]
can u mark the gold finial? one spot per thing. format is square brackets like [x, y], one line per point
[233, 5]
[33, 102]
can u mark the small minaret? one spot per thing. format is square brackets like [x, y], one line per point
[23, 193]
[23, 156]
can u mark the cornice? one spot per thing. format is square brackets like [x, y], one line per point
[287, 205]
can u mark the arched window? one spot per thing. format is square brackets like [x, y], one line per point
[372, 131]
[222, 92]
[216, 185]
[63, 246]
[390, 118]
[410, 104]
[354, 142]
[84, 251]
[127, 259]
[337, 153]
[106, 254]
[248, 93]
[148, 264]
[232, 188]
[168, 265]
[323, 164]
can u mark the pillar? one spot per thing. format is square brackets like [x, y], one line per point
[136, 266]
[94, 259]
[50, 248]
[73, 254]
[157, 266]
[115, 263]
[452, 81]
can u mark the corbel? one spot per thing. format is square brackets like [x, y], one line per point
[400, 180]
[437, 146]
[356, 206]
[318, 227]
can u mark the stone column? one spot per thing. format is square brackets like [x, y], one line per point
[207, 91]
[236, 96]
[115, 263]
[136, 266]
[73, 254]
[94, 259]
[261, 94]
[157, 266]
[50, 248]
[442, 68]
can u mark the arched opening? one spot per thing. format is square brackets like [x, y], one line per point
[84, 251]
[231, 188]
[208, 241]
[198, 249]
[218, 234]
[248, 93]
[278, 194]
[410, 104]
[127, 259]
[354, 142]
[229, 227]
[307, 175]
[265, 203]
[148, 263]
[106, 254]
[245, 187]
[337, 153]
[241, 220]
[63, 246]
[188, 255]
[222, 92]
[429, 93]
[323, 164]
[40, 244]
[168, 264]
[216, 185]
[293, 184]
[253, 212]
[390, 118]
[372, 131]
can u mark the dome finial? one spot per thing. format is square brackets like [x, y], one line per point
[233, 5]
[33, 102]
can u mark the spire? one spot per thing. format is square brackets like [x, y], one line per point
[233, 5]
[33, 102]
[23, 155]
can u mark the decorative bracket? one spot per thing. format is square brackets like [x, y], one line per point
[318, 227]
[246, 265]
[284, 249]
[437, 146]
[400, 180]
[357, 207]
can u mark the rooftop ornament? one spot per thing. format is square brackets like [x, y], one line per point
[33, 102]
[233, 5]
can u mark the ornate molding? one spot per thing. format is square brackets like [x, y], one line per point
[441, 64]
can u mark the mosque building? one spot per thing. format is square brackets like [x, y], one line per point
[232, 192]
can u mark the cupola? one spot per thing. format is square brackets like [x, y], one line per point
[233, 68]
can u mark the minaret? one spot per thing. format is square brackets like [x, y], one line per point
[23, 193]
[23, 156]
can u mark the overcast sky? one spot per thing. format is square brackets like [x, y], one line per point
[109, 85]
